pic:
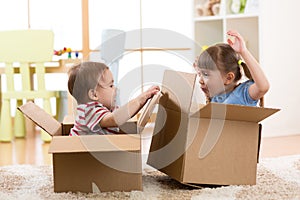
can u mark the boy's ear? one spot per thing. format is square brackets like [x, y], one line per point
[229, 78]
[92, 95]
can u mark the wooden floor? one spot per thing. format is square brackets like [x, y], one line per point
[34, 151]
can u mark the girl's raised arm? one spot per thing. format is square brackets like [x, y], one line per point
[261, 84]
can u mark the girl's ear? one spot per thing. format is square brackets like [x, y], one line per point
[92, 95]
[229, 78]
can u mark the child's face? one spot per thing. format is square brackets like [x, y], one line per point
[211, 82]
[106, 91]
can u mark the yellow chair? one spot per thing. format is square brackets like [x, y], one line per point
[24, 52]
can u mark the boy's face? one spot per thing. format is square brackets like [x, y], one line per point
[106, 91]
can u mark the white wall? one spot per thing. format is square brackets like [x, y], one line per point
[280, 48]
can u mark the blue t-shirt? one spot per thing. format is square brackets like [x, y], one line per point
[240, 95]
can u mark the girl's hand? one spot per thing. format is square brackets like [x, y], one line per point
[238, 44]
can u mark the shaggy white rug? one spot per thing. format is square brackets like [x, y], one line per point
[277, 178]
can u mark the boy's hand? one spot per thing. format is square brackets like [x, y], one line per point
[127, 111]
[148, 94]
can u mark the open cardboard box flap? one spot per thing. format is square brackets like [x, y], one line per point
[41, 118]
[178, 91]
[148, 110]
[233, 112]
[94, 143]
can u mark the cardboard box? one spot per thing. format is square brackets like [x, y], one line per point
[94, 163]
[204, 144]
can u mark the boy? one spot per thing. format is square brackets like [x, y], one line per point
[92, 85]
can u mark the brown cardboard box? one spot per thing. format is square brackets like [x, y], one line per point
[91, 163]
[204, 144]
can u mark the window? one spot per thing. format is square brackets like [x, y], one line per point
[9, 11]
[61, 16]
[64, 17]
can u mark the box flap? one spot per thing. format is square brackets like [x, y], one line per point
[95, 143]
[130, 127]
[68, 119]
[147, 111]
[234, 112]
[67, 124]
[177, 89]
[41, 118]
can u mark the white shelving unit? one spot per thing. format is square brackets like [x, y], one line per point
[209, 30]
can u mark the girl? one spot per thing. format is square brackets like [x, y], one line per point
[92, 85]
[219, 69]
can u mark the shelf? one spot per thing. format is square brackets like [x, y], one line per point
[241, 16]
[230, 16]
[209, 30]
[208, 18]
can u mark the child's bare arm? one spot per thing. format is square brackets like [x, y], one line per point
[124, 113]
[261, 84]
[108, 121]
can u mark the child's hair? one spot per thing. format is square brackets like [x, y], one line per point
[223, 57]
[83, 77]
